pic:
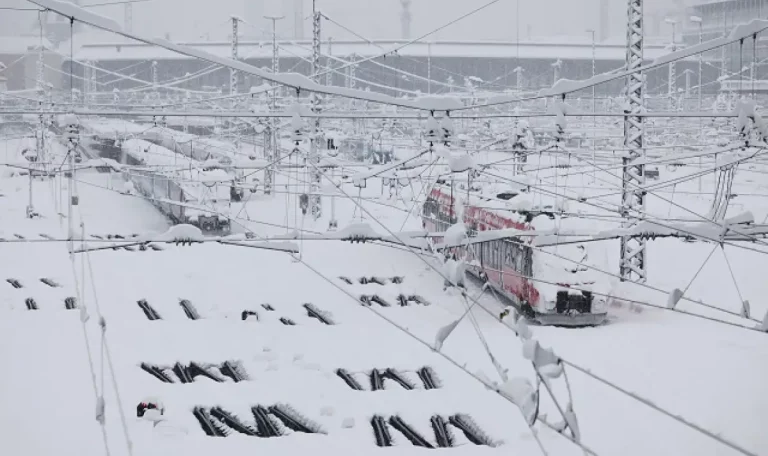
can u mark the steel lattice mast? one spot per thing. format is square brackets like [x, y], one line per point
[270, 135]
[632, 266]
[329, 63]
[233, 75]
[233, 72]
[315, 200]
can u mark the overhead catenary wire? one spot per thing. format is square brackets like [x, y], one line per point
[707, 433]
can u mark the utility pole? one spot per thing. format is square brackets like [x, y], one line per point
[723, 70]
[270, 139]
[429, 67]
[405, 19]
[128, 13]
[315, 200]
[556, 71]
[298, 19]
[232, 71]
[92, 82]
[233, 77]
[155, 93]
[72, 142]
[594, 106]
[86, 82]
[698, 20]
[351, 83]
[329, 63]
[671, 83]
[632, 265]
[518, 80]
[332, 223]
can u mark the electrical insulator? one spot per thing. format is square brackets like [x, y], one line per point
[72, 133]
[304, 203]
[446, 125]
[297, 127]
[433, 130]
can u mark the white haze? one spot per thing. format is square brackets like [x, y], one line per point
[192, 19]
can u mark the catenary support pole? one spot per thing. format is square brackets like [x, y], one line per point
[315, 200]
[632, 265]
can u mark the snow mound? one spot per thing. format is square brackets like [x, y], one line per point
[456, 234]
[358, 231]
[523, 394]
[460, 163]
[178, 233]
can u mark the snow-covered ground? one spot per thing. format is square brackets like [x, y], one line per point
[709, 373]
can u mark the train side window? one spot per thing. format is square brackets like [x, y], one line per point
[491, 263]
[528, 266]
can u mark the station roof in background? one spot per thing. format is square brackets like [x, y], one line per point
[574, 50]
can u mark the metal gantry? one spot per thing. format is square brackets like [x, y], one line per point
[632, 265]
[315, 200]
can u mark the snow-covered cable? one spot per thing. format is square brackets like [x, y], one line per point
[455, 363]
[650, 404]
[105, 346]
[655, 220]
[397, 48]
[744, 306]
[83, 319]
[696, 214]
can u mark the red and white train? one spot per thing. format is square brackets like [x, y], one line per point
[545, 290]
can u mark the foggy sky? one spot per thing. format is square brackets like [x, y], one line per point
[374, 19]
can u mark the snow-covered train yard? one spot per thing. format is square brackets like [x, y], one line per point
[288, 358]
[344, 270]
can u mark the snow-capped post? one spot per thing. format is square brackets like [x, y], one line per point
[673, 298]
[443, 333]
[524, 395]
[746, 311]
[632, 265]
[315, 199]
